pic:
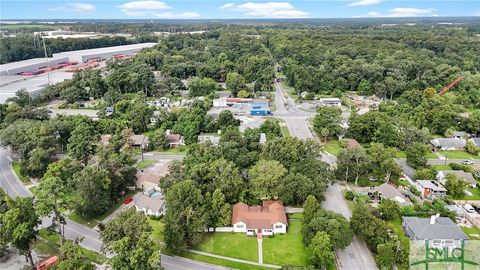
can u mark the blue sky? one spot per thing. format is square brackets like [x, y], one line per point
[227, 9]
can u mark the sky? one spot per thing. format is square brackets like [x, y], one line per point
[228, 9]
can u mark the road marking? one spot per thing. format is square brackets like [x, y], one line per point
[8, 183]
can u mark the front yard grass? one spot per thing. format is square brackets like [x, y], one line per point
[470, 231]
[226, 263]
[475, 194]
[21, 176]
[396, 225]
[458, 154]
[92, 221]
[235, 245]
[333, 147]
[441, 167]
[145, 163]
[430, 155]
[286, 249]
[157, 230]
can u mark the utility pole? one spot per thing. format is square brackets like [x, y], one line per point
[46, 62]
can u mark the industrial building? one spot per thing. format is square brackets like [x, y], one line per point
[44, 71]
[83, 56]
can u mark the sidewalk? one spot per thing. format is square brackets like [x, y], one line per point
[233, 259]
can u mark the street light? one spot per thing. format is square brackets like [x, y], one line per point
[446, 155]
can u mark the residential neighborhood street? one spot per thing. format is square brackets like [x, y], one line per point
[13, 187]
[356, 255]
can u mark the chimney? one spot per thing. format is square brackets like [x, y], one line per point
[433, 218]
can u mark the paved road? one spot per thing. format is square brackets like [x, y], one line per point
[356, 255]
[91, 239]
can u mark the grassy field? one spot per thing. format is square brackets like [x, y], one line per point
[286, 249]
[441, 167]
[51, 244]
[229, 264]
[182, 150]
[458, 154]
[235, 245]
[145, 163]
[291, 92]
[285, 131]
[430, 155]
[475, 194]
[92, 221]
[22, 177]
[333, 147]
[158, 228]
[470, 231]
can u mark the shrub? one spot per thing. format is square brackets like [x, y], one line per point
[349, 195]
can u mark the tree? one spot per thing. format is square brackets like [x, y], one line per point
[19, 225]
[224, 175]
[385, 257]
[265, 176]
[327, 121]
[37, 161]
[127, 224]
[53, 197]
[235, 82]
[73, 258]
[417, 155]
[382, 162]
[219, 212]
[390, 209]
[202, 87]
[185, 218]
[140, 256]
[271, 129]
[472, 148]
[81, 144]
[455, 186]
[158, 140]
[291, 150]
[351, 164]
[294, 188]
[93, 191]
[320, 250]
[335, 225]
[449, 132]
[226, 119]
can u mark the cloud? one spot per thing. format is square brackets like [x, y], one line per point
[142, 8]
[182, 15]
[268, 10]
[402, 12]
[227, 5]
[364, 3]
[75, 7]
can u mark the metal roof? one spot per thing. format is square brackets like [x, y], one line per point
[105, 50]
[443, 228]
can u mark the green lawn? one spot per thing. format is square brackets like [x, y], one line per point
[286, 249]
[470, 231]
[92, 221]
[157, 229]
[458, 154]
[430, 155]
[333, 147]
[235, 245]
[475, 194]
[401, 154]
[226, 263]
[145, 163]
[182, 150]
[441, 167]
[51, 244]
[285, 131]
[22, 177]
[396, 225]
[291, 92]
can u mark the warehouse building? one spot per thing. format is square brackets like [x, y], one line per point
[29, 65]
[84, 56]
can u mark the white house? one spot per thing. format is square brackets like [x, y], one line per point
[150, 204]
[335, 102]
[266, 219]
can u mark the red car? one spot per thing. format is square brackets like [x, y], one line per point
[128, 200]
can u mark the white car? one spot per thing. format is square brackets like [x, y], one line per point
[468, 208]
[467, 162]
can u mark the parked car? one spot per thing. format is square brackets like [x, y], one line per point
[477, 208]
[467, 162]
[468, 208]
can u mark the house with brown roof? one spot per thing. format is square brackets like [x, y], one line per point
[352, 143]
[266, 219]
[174, 140]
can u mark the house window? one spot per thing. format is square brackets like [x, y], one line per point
[278, 227]
[240, 226]
[267, 230]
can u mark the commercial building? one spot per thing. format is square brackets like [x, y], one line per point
[40, 71]
[82, 56]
